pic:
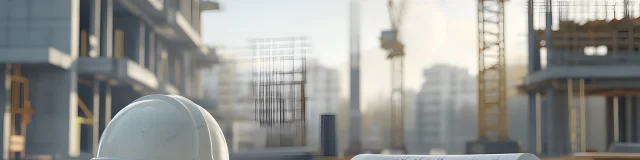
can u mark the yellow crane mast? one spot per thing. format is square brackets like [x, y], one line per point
[390, 42]
[492, 118]
[492, 110]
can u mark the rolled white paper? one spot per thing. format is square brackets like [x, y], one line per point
[512, 156]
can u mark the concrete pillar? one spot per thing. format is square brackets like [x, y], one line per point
[549, 118]
[534, 52]
[183, 74]
[151, 50]
[533, 120]
[622, 120]
[106, 28]
[95, 28]
[95, 108]
[105, 100]
[188, 77]
[53, 130]
[142, 36]
[549, 31]
[628, 115]
[5, 94]
[172, 68]
[160, 50]
[636, 119]
[609, 120]
[561, 125]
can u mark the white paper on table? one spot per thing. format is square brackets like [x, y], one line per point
[513, 156]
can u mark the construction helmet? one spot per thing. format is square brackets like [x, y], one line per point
[158, 127]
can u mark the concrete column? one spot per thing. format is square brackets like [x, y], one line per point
[141, 43]
[106, 28]
[160, 50]
[188, 77]
[5, 94]
[151, 50]
[634, 119]
[95, 108]
[105, 113]
[95, 28]
[563, 141]
[534, 52]
[183, 75]
[549, 120]
[53, 130]
[533, 122]
[622, 120]
[609, 120]
[172, 68]
[628, 121]
[549, 31]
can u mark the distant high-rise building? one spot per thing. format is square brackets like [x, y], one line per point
[446, 92]
[323, 92]
[229, 85]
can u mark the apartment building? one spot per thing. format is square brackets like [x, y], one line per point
[73, 64]
[445, 93]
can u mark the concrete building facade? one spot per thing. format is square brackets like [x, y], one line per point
[229, 85]
[70, 65]
[323, 93]
[444, 94]
[517, 104]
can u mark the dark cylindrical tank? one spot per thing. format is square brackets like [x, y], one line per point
[328, 135]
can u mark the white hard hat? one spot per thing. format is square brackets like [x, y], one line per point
[158, 127]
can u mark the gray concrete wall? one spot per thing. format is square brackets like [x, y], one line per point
[53, 129]
[39, 24]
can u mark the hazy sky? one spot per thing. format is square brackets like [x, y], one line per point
[435, 31]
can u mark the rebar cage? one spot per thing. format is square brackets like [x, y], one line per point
[278, 84]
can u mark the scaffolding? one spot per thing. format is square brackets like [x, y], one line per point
[279, 79]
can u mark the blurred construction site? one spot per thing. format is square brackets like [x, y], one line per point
[330, 79]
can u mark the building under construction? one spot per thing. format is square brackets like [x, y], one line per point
[591, 50]
[279, 79]
[73, 64]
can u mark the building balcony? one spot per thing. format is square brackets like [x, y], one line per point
[170, 23]
[37, 56]
[125, 72]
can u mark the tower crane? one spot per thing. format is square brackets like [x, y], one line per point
[390, 42]
[492, 110]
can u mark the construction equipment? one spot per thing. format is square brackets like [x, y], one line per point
[492, 110]
[390, 42]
